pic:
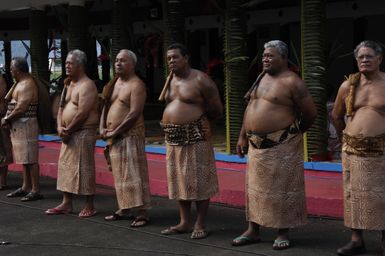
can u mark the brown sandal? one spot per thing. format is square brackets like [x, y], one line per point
[116, 217]
[139, 222]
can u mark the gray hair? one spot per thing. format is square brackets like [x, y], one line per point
[369, 44]
[279, 45]
[80, 56]
[21, 64]
[131, 54]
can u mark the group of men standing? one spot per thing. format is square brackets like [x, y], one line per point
[279, 110]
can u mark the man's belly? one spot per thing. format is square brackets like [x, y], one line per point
[266, 122]
[69, 113]
[115, 116]
[366, 122]
[177, 112]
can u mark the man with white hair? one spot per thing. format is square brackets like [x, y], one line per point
[359, 119]
[77, 122]
[279, 110]
[122, 125]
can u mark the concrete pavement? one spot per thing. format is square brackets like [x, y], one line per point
[30, 232]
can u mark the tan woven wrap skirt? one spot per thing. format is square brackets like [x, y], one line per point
[24, 137]
[129, 168]
[364, 183]
[275, 185]
[76, 167]
[191, 171]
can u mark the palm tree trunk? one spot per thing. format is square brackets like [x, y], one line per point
[105, 61]
[173, 20]
[77, 28]
[39, 47]
[63, 51]
[92, 63]
[120, 34]
[236, 65]
[313, 37]
[7, 60]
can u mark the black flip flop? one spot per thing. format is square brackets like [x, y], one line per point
[17, 193]
[144, 221]
[32, 196]
[116, 217]
[173, 231]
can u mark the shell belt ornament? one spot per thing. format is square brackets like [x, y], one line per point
[186, 134]
[354, 80]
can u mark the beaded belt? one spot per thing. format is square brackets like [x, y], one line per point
[184, 134]
[363, 146]
[31, 112]
[269, 140]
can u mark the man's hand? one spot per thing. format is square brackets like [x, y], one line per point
[63, 134]
[4, 123]
[108, 134]
[242, 146]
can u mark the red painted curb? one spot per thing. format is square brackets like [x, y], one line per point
[324, 194]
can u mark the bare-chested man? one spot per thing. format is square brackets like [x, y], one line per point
[22, 118]
[5, 141]
[280, 108]
[192, 100]
[77, 123]
[359, 118]
[122, 125]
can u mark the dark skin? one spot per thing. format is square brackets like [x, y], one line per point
[128, 100]
[191, 95]
[80, 111]
[273, 106]
[127, 103]
[368, 109]
[25, 93]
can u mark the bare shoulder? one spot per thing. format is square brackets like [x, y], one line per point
[87, 85]
[203, 79]
[291, 79]
[295, 84]
[344, 88]
[26, 84]
[133, 86]
[382, 75]
[137, 84]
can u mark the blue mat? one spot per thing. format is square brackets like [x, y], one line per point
[318, 166]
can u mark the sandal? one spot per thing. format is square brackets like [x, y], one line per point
[17, 193]
[352, 248]
[199, 234]
[173, 231]
[32, 196]
[57, 211]
[139, 222]
[115, 217]
[281, 244]
[244, 240]
[85, 213]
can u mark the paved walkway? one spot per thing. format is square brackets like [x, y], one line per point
[30, 232]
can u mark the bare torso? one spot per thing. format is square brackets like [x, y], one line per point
[25, 93]
[121, 102]
[185, 100]
[369, 109]
[271, 107]
[73, 104]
